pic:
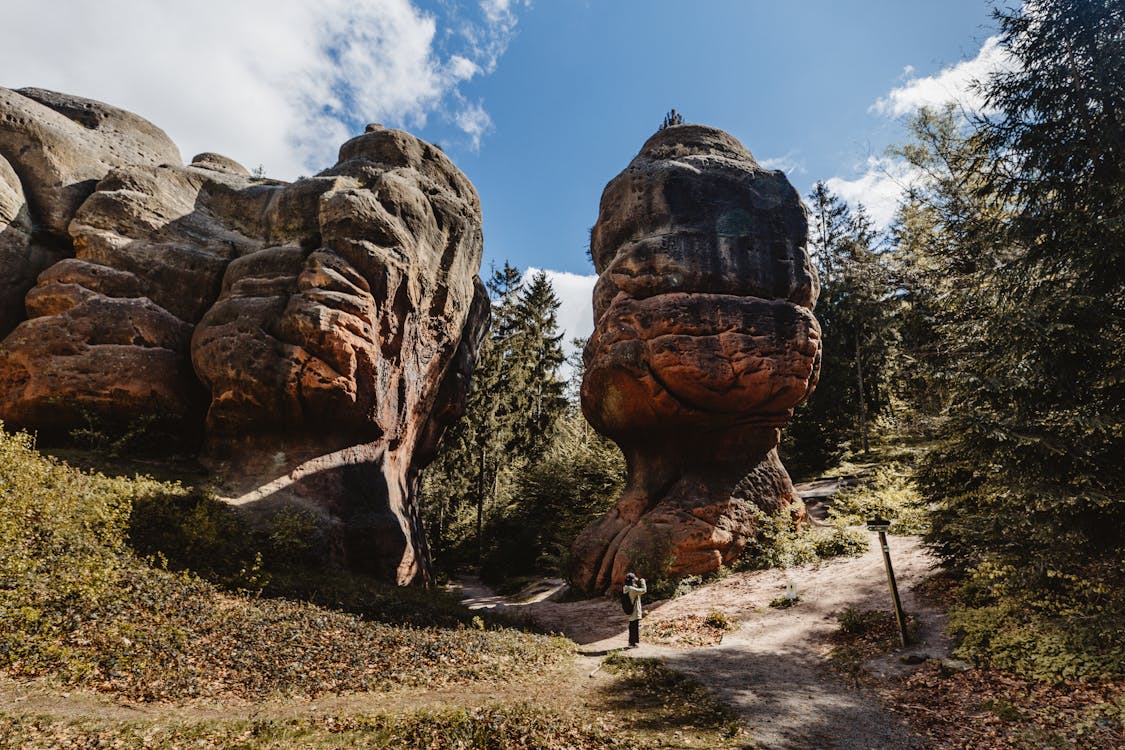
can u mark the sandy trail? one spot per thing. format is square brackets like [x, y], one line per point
[771, 669]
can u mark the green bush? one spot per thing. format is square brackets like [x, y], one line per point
[718, 620]
[840, 541]
[779, 542]
[890, 492]
[1075, 634]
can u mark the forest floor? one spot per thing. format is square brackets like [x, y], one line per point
[773, 667]
[826, 670]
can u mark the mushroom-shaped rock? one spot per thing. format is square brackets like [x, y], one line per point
[704, 342]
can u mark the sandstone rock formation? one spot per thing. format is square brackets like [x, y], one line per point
[314, 338]
[704, 342]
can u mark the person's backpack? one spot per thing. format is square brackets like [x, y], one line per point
[626, 603]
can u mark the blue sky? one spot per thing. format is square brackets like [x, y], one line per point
[540, 102]
[583, 84]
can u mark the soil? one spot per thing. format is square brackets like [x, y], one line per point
[771, 669]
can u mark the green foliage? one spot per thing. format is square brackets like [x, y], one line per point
[841, 541]
[1015, 237]
[784, 602]
[190, 530]
[781, 542]
[576, 479]
[515, 401]
[78, 604]
[858, 310]
[891, 493]
[107, 441]
[1070, 631]
[718, 620]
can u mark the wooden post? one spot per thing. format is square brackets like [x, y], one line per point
[894, 587]
[881, 525]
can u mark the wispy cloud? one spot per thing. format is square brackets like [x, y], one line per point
[790, 163]
[881, 181]
[274, 82]
[953, 84]
[474, 121]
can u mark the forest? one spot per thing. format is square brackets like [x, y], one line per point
[273, 476]
[975, 347]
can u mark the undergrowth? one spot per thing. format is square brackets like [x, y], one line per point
[77, 604]
[521, 727]
[659, 696]
[864, 634]
[783, 542]
[889, 492]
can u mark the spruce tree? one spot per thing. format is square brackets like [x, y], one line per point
[1030, 220]
[858, 326]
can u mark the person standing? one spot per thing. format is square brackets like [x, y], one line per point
[635, 587]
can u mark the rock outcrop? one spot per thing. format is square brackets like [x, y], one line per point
[704, 342]
[314, 338]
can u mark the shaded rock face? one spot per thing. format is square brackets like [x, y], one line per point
[315, 338]
[704, 342]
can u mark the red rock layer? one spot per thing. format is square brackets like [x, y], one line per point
[704, 342]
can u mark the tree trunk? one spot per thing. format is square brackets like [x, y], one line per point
[862, 400]
[480, 506]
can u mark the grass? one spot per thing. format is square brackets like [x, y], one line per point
[520, 727]
[77, 604]
[649, 695]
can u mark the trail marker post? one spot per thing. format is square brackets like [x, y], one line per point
[881, 525]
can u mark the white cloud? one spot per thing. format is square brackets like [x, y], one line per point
[475, 122]
[790, 163]
[881, 180]
[274, 82]
[879, 188]
[952, 85]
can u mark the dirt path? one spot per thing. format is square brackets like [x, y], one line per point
[771, 669]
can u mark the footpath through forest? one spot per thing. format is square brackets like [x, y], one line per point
[772, 667]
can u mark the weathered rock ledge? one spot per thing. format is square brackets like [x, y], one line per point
[313, 339]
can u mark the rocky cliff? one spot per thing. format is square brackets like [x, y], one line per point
[313, 339]
[704, 342]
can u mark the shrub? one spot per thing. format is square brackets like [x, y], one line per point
[1074, 636]
[840, 541]
[890, 493]
[718, 620]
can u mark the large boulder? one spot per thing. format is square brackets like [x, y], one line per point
[704, 342]
[313, 339]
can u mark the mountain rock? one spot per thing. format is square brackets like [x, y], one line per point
[312, 340]
[704, 342]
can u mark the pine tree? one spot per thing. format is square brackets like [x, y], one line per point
[540, 352]
[829, 223]
[1030, 215]
[856, 314]
[516, 399]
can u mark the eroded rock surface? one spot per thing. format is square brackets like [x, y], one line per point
[314, 338]
[704, 342]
